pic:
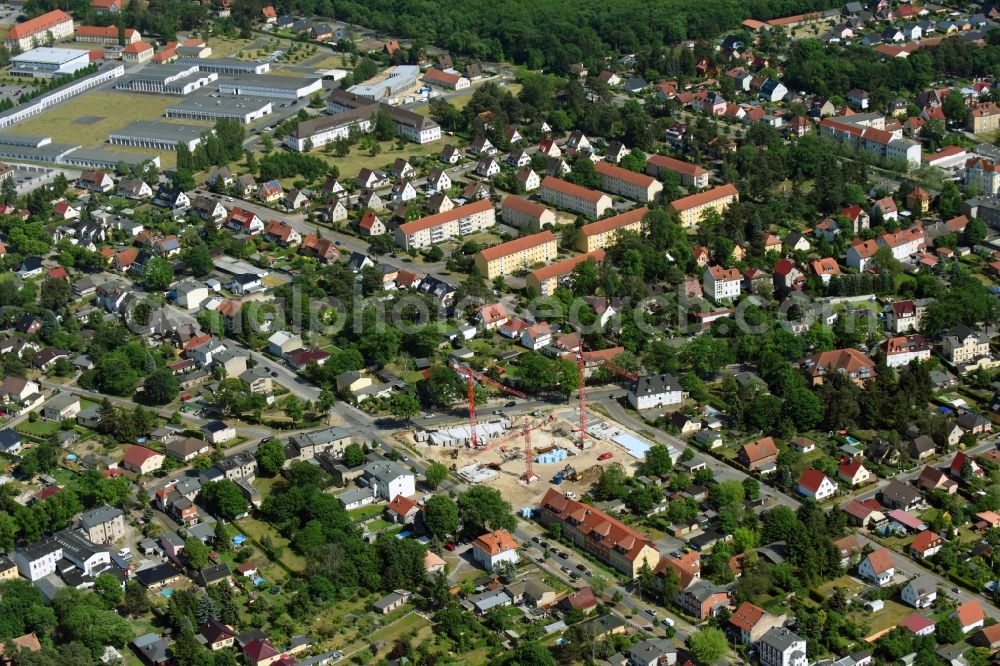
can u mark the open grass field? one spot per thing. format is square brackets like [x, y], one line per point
[359, 158]
[885, 619]
[223, 47]
[115, 110]
[94, 115]
[329, 62]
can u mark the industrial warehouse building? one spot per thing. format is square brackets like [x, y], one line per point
[394, 81]
[47, 62]
[158, 135]
[168, 80]
[279, 87]
[242, 108]
[227, 65]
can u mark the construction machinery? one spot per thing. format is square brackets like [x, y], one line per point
[529, 475]
[582, 360]
[471, 376]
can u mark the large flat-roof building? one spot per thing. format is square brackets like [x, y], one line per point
[47, 62]
[517, 255]
[461, 221]
[277, 87]
[241, 108]
[60, 94]
[388, 84]
[158, 135]
[56, 25]
[227, 65]
[168, 80]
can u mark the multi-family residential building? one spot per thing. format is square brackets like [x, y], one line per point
[751, 622]
[860, 254]
[388, 479]
[982, 175]
[54, 25]
[702, 599]
[905, 316]
[603, 233]
[965, 347]
[461, 221]
[849, 361]
[526, 215]
[563, 194]
[903, 244]
[517, 255]
[605, 537]
[627, 183]
[877, 142]
[691, 175]
[983, 117]
[103, 524]
[655, 390]
[693, 207]
[782, 647]
[543, 281]
[899, 351]
[38, 560]
[494, 548]
[721, 283]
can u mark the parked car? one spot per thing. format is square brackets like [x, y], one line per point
[605, 456]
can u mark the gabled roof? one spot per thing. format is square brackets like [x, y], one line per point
[760, 449]
[880, 561]
[970, 613]
[812, 479]
[925, 540]
[747, 616]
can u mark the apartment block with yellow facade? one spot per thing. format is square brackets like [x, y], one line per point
[517, 255]
[602, 234]
[543, 281]
[693, 207]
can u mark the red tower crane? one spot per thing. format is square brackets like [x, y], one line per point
[581, 364]
[529, 474]
[471, 376]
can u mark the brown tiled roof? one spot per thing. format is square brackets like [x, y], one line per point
[702, 198]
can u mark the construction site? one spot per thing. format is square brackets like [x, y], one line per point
[522, 457]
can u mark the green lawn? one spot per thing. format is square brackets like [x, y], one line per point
[258, 529]
[378, 525]
[361, 513]
[39, 428]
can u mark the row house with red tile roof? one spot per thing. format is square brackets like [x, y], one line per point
[607, 538]
[877, 142]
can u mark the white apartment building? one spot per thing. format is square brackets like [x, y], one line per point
[721, 283]
[563, 194]
[461, 221]
[626, 183]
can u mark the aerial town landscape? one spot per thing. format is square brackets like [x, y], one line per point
[639, 333]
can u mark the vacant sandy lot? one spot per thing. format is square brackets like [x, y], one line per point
[509, 456]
